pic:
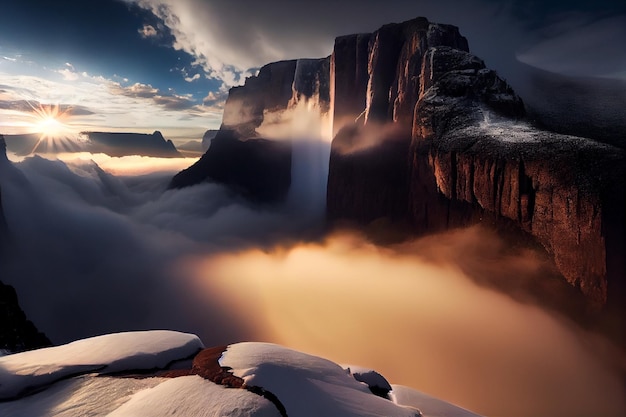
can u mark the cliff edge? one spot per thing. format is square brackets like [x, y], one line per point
[440, 141]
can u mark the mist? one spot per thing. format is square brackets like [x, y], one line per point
[93, 252]
[421, 322]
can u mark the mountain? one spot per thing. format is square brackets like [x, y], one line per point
[17, 333]
[426, 136]
[238, 155]
[459, 151]
[122, 144]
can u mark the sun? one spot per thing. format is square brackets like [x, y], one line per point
[50, 121]
[50, 126]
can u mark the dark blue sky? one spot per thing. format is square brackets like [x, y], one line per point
[100, 37]
[144, 64]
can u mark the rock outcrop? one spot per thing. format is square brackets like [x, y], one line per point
[439, 141]
[239, 156]
[259, 169]
[16, 332]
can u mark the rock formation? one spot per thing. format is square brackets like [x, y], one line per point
[457, 152]
[425, 135]
[122, 144]
[16, 332]
[208, 136]
[239, 156]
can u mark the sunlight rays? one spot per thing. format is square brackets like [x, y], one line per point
[52, 124]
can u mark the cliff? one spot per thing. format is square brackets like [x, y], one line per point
[16, 332]
[259, 168]
[439, 141]
[426, 135]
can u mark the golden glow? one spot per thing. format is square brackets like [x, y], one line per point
[412, 313]
[50, 120]
[50, 126]
[55, 132]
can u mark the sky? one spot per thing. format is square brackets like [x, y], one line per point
[145, 65]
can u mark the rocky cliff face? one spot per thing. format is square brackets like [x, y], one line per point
[16, 332]
[239, 156]
[435, 139]
[426, 135]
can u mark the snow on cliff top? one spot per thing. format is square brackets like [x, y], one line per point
[71, 380]
[307, 385]
[106, 354]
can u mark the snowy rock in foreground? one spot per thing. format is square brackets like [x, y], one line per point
[98, 377]
[307, 385]
[111, 353]
[195, 396]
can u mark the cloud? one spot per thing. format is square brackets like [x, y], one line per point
[229, 39]
[135, 90]
[69, 72]
[90, 241]
[421, 323]
[98, 103]
[148, 31]
[96, 253]
[29, 106]
[192, 79]
[132, 165]
[125, 253]
[215, 98]
[579, 46]
[171, 101]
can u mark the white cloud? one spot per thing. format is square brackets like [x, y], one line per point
[148, 31]
[229, 39]
[579, 47]
[69, 72]
[114, 107]
[192, 79]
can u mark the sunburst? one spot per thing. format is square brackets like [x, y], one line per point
[51, 122]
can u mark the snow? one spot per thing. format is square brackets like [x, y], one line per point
[105, 354]
[430, 406]
[197, 397]
[85, 396]
[504, 129]
[307, 385]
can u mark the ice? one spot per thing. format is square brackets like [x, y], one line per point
[116, 352]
